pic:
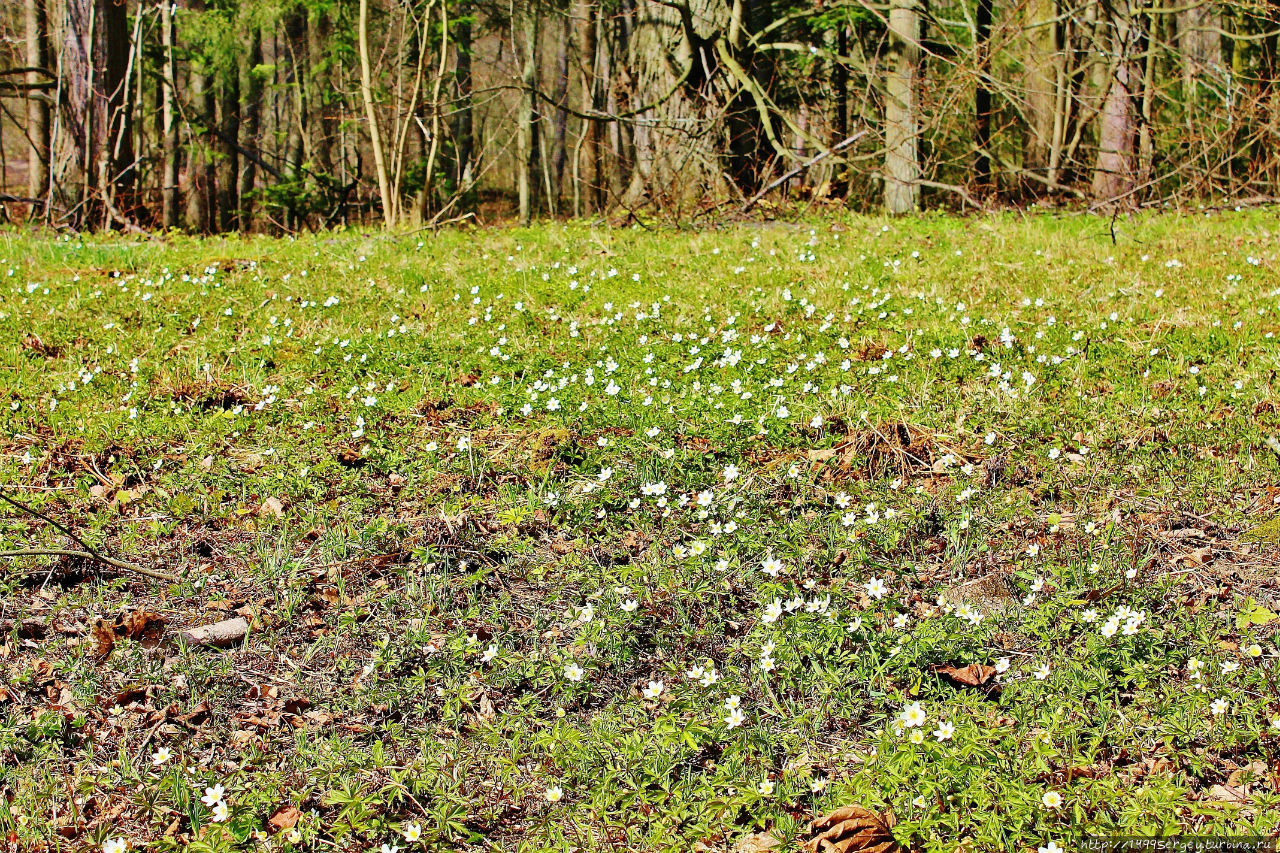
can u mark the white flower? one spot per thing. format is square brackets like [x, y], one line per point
[773, 611]
[220, 812]
[944, 731]
[554, 794]
[654, 690]
[876, 588]
[213, 795]
[1042, 673]
[1002, 665]
[765, 788]
[1051, 847]
[735, 718]
[1219, 706]
[412, 832]
[115, 845]
[771, 566]
[913, 715]
[573, 672]
[160, 756]
[1051, 800]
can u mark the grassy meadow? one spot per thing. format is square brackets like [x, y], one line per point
[580, 539]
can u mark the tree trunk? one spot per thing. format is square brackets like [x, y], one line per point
[38, 56]
[526, 153]
[1114, 169]
[982, 99]
[251, 92]
[1040, 81]
[560, 121]
[169, 173]
[1199, 45]
[320, 82]
[201, 177]
[902, 159]
[840, 92]
[617, 160]
[389, 202]
[463, 130]
[95, 65]
[228, 164]
[295, 36]
[1146, 48]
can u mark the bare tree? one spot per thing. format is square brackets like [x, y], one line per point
[901, 130]
[39, 68]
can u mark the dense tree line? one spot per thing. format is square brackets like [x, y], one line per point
[218, 115]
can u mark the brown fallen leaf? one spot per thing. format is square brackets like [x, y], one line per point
[195, 717]
[350, 457]
[225, 633]
[285, 817]
[31, 341]
[1228, 794]
[104, 637]
[271, 506]
[1255, 771]
[973, 675]
[853, 829]
[142, 626]
[757, 842]
[1198, 557]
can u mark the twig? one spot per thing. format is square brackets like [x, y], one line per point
[750, 203]
[88, 555]
[88, 552]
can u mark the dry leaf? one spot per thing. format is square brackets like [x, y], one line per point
[757, 842]
[973, 675]
[853, 829]
[285, 817]
[1198, 557]
[140, 625]
[1255, 771]
[1228, 794]
[104, 637]
[271, 506]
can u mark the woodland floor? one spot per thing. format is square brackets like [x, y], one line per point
[577, 539]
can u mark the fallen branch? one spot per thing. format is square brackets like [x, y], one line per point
[88, 553]
[751, 202]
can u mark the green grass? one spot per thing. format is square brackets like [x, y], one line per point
[1079, 426]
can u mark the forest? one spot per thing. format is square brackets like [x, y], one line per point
[286, 115]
